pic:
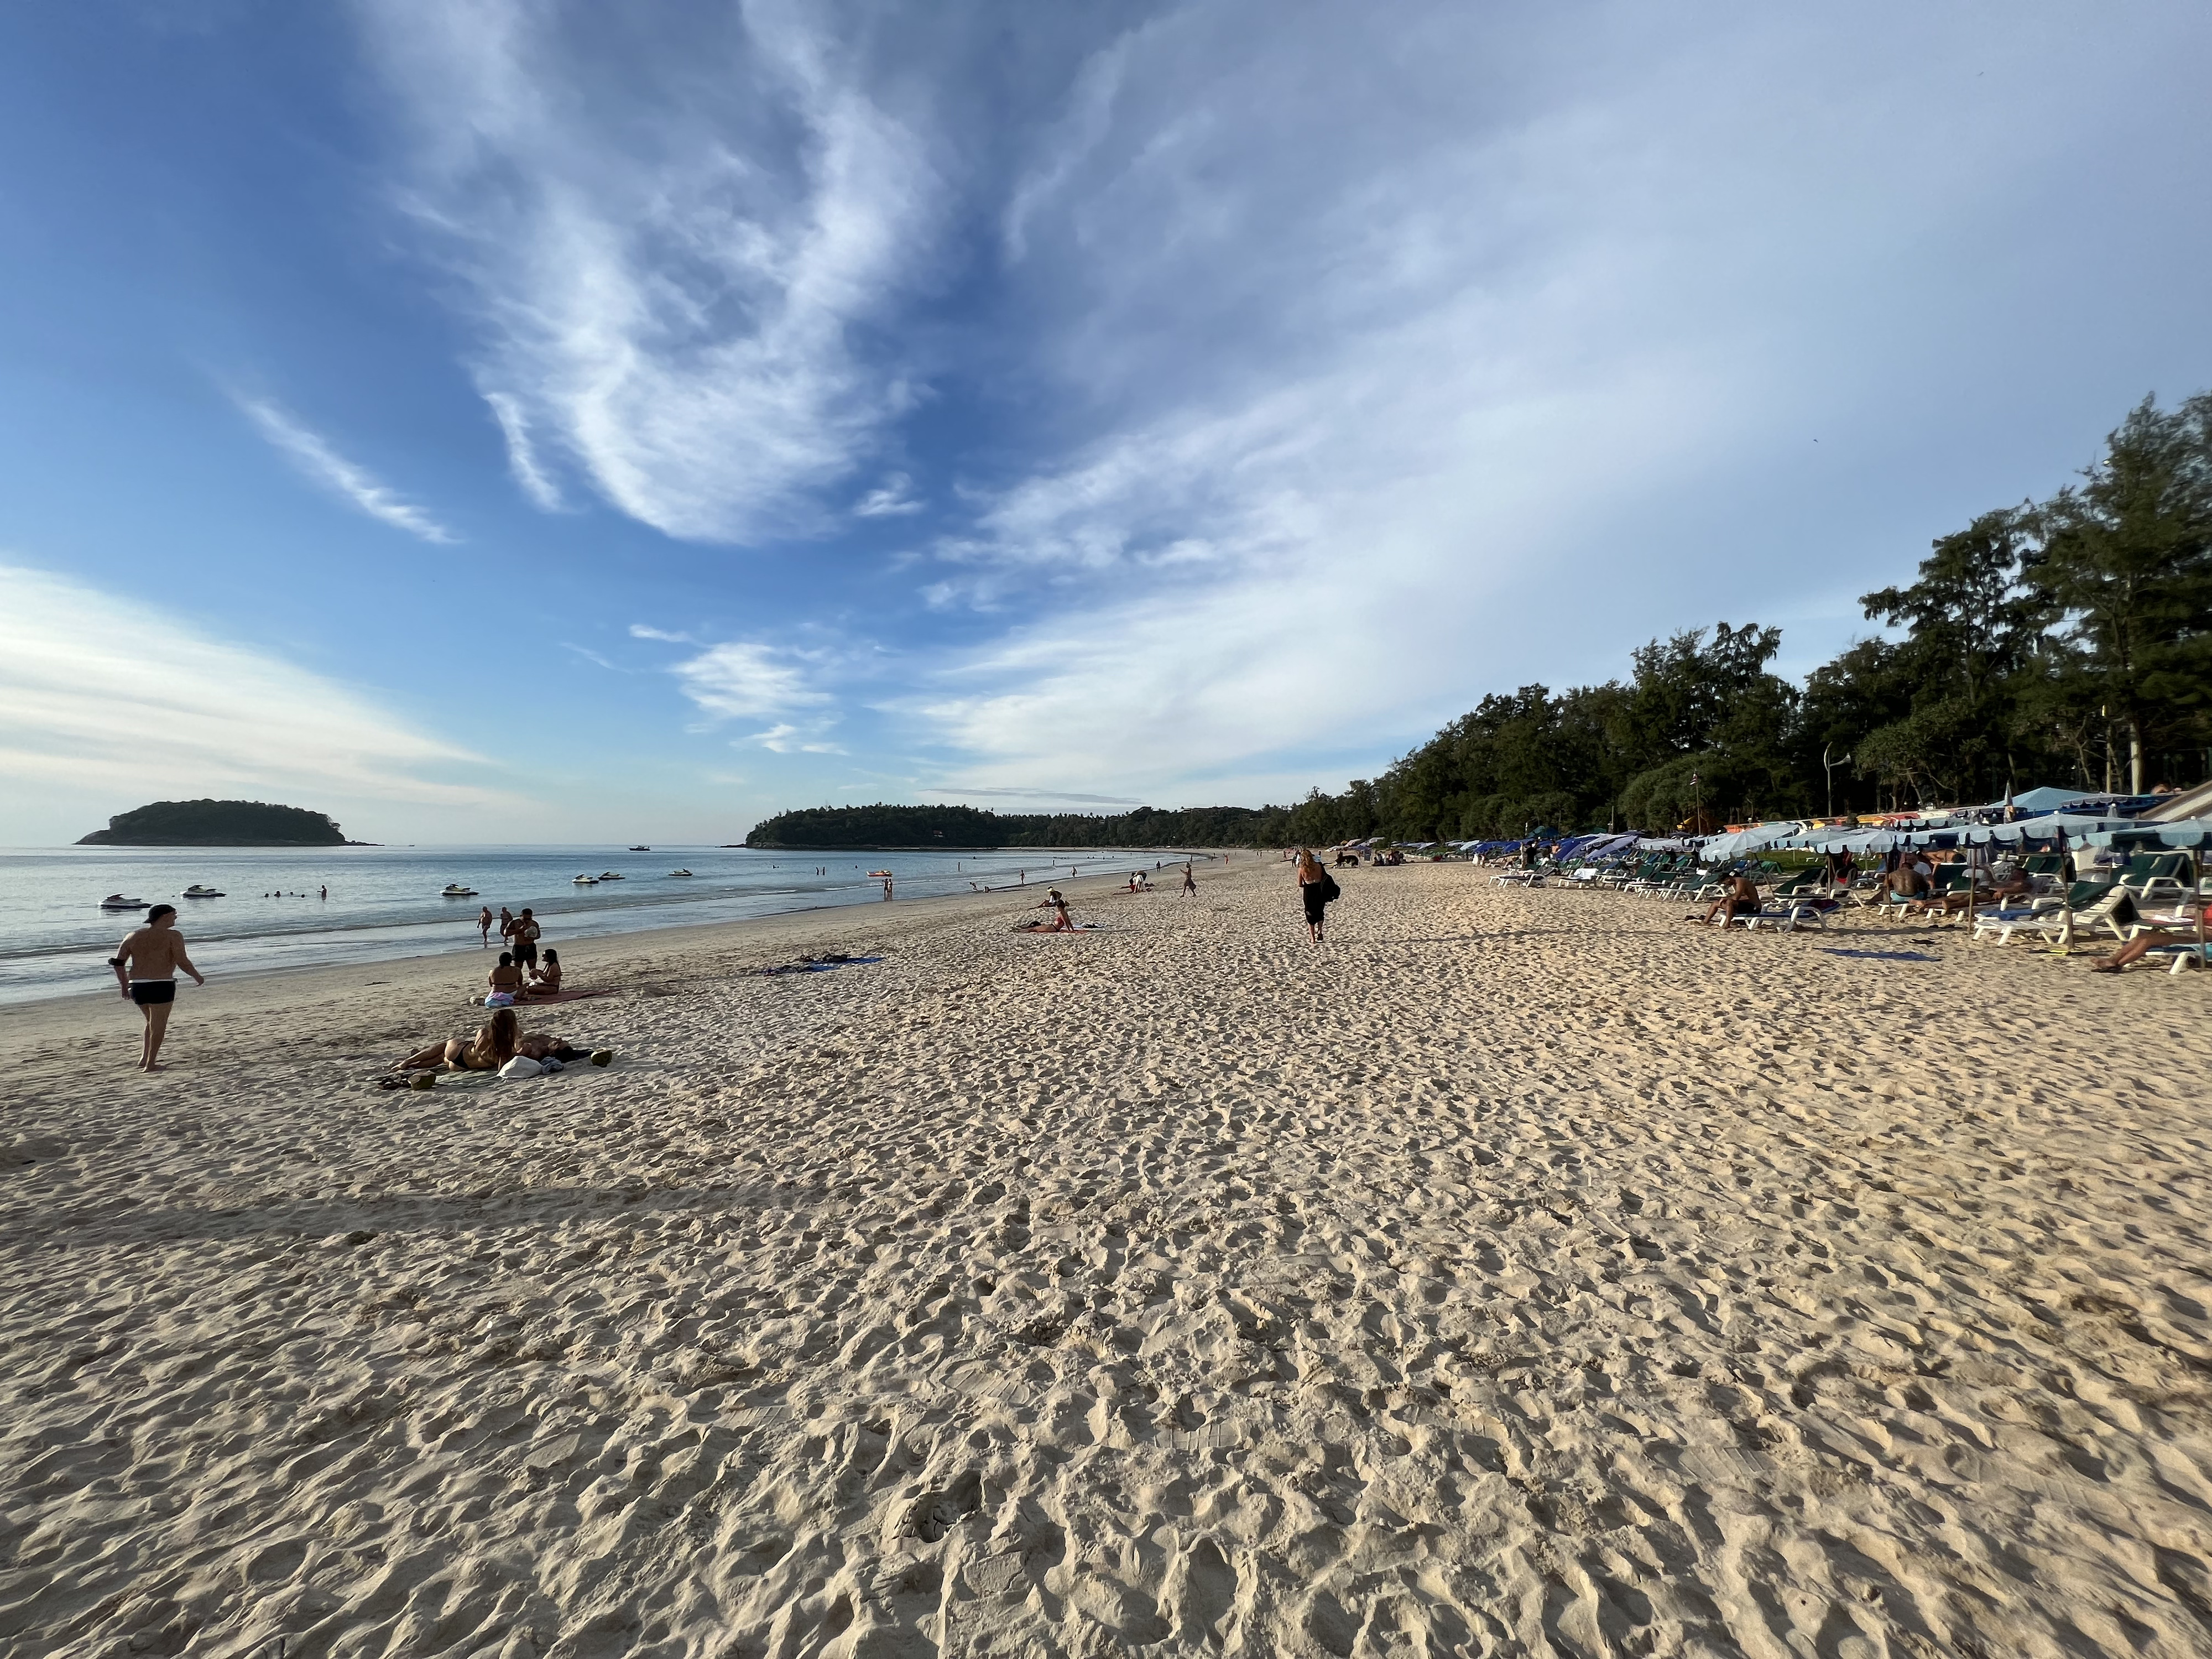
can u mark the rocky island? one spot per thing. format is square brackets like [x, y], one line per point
[218, 824]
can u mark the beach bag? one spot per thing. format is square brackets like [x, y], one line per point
[520, 1066]
[1330, 892]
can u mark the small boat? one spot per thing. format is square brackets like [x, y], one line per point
[197, 891]
[609, 875]
[454, 890]
[679, 872]
[117, 901]
[880, 874]
[641, 849]
[587, 881]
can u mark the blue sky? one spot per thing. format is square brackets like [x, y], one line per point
[498, 421]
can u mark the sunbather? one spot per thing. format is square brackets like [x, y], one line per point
[1741, 899]
[2180, 923]
[492, 1046]
[546, 981]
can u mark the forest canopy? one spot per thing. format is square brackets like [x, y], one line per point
[2066, 641]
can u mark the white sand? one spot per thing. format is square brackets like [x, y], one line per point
[1518, 1272]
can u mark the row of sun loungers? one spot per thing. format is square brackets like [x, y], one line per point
[2118, 905]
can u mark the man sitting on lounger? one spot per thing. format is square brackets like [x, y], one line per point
[1741, 899]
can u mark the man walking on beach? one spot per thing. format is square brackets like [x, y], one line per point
[524, 939]
[1189, 881]
[146, 965]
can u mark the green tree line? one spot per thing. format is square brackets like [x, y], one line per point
[2067, 641]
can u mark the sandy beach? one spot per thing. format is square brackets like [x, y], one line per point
[1518, 1272]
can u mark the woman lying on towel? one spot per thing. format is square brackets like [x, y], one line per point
[491, 1048]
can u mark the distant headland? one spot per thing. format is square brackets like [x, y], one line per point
[219, 823]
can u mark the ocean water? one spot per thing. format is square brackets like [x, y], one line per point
[384, 902]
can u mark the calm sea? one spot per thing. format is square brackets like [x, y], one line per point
[384, 902]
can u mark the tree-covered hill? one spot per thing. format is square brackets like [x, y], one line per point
[217, 824]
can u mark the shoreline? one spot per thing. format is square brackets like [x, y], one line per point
[594, 952]
[595, 943]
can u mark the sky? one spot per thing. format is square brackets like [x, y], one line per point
[490, 422]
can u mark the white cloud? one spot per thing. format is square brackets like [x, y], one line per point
[738, 678]
[671, 287]
[892, 499]
[521, 455]
[106, 697]
[314, 456]
[1476, 381]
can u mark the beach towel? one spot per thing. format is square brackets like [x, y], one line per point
[1881, 956]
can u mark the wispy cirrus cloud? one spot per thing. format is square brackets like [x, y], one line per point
[746, 679]
[671, 290]
[530, 475]
[892, 498]
[311, 453]
[102, 694]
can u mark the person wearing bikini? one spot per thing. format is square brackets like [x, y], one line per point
[146, 965]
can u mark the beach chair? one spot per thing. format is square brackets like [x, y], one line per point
[2110, 912]
[2002, 923]
[2156, 878]
[2186, 954]
[1789, 915]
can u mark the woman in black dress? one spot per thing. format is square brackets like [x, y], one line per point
[1316, 888]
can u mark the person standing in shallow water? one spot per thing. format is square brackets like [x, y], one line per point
[146, 965]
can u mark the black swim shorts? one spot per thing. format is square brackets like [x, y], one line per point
[147, 992]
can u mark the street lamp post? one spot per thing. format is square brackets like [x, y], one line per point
[1828, 768]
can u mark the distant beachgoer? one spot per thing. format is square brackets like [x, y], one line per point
[483, 927]
[492, 1046]
[505, 979]
[326, 893]
[887, 886]
[506, 925]
[1317, 887]
[526, 938]
[1189, 880]
[146, 965]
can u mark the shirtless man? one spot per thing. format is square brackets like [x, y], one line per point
[146, 965]
[1741, 899]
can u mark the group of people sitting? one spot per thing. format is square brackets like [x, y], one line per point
[508, 985]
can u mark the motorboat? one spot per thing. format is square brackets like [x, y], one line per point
[197, 891]
[454, 890]
[679, 872]
[117, 901]
[609, 875]
[587, 881]
[880, 874]
[641, 849]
